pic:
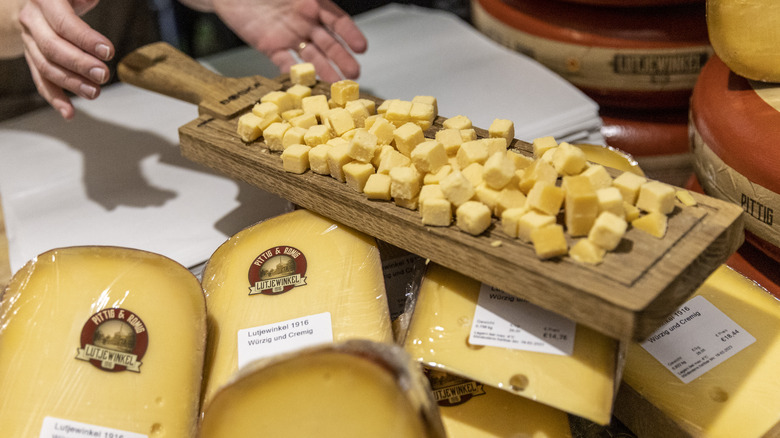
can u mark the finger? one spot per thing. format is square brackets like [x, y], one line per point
[322, 66]
[283, 59]
[340, 23]
[53, 94]
[336, 53]
[67, 25]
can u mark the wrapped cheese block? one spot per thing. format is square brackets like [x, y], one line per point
[290, 282]
[744, 35]
[474, 331]
[711, 370]
[354, 388]
[103, 341]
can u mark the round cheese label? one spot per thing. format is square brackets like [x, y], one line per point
[277, 270]
[114, 339]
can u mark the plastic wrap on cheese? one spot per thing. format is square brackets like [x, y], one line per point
[348, 388]
[101, 341]
[290, 282]
[474, 331]
[711, 370]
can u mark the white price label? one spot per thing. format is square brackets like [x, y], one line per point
[503, 320]
[59, 428]
[695, 338]
[282, 337]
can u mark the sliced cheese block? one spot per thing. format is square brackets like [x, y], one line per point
[104, 339]
[735, 125]
[744, 35]
[349, 389]
[735, 396]
[291, 281]
[620, 57]
[470, 409]
[582, 383]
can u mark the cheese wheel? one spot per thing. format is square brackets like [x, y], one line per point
[439, 336]
[291, 281]
[735, 124]
[744, 35]
[346, 389]
[658, 140]
[736, 397]
[470, 409]
[620, 57]
[101, 339]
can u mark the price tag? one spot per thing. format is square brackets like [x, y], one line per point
[59, 428]
[282, 337]
[503, 320]
[695, 338]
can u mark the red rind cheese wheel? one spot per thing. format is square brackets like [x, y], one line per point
[735, 128]
[622, 57]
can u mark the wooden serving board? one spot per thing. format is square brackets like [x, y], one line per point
[626, 297]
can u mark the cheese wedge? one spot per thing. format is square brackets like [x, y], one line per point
[349, 389]
[735, 397]
[582, 383]
[292, 281]
[105, 339]
[470, 409]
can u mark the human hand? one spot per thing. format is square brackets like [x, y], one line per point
[318, 30]
[63, 52]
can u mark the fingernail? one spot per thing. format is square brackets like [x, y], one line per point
[88, 91]
[103, 51]
[98, 75]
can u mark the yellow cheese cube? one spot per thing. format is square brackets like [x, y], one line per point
[502, 128]
[338, 156]
[538, 171]
[369, 104]
[282, 100]
[383, 130]
[608, 230]
[610, 199]
[451, 139]
[409, 204]
[629, 183]
[630, 211]
[273, 135]
[249, 127]
[685, 197]
[407, 137]
[429, 156]
[344, 91]
[431, 191]
[293, 135]
[358, 111]
[363, 146]
[585, 251]
[422, 114]
[530, 221]
[382, 108]
[543, 144]
[398, 112]
[510, 219]
[549, 241]
[378, 187]
[265, 109]
[339, 120]
[305, 120]
[297, 92]
[436, 212]
[457, 188]
[391, 160]
[546, 198]
[472, 152]
[487, 195]
[519, 160]
[474, 173]
[318, 159]
[509, 197]
[499, 170]
[568, 159]
[404, 182]
[656, 196]
[598, 176]
[357, 173]
[291, 114]
[380, 154]
[316, 104]
[457, 122]
[428, 100]
[653, 223]
[436, 177]
[581, 205]
[317, 134]
[295, 159]
[473, 217]
[303, 73]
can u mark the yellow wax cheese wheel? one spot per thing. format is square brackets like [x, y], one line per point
[621, 57]
[717, 375]
[104, 340]
[744, 34]
[581, 382]
[735, 127]
[470, 409]
[291, 281]
[347, 389]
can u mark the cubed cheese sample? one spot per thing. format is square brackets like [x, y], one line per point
[474, 173]
[293, 135]
[610, 199]
[409, 204]
[338, 156]
[509, 198]
[653, 223]
[431, 191]
[305, 120]
[358, 111]
[428, 100]
[472, 152]
[422, 114]
[510, 218]
[282, 100]
[369, 104]
[549, 241]
[598, 175]
[436, 212]
[382, 108]
[249, 127]
[303, 73]
[630, 211]
[685, 197]
[519, 160]
[356, 174]
[339, 120]
[298, 92]
[316, 104]
[436, 177]
[398, 112]
[530, 221]
[457, 188]
[344, 91]
[457, 122]
[295, 159]
[499, 170]
[581, 205]
[502, 128]
[473, 217]
[608, 230]
[317, 134]
[380, 154]
[106, 337]
[586, 251]
[392, 159]
[656, 196]
[450, 139]
[363, 146]
[568, 159]
[404, 182]
[546, 198]
[265, 109]
[543, 144]
[318, 159]
[353, 389]
[287, 269]
[489, 196]
[539, 170]
[629, 184]
[407, 137]
[378, 187]
[273, 135]
[291, 114]
[383, 129]
[582, 384]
